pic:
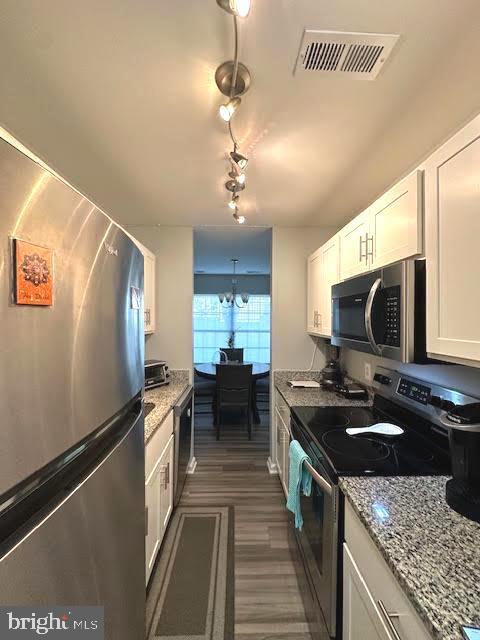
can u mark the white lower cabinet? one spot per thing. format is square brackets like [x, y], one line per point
[159, 481]
[361, 616]
[374, 605]
[282, 419]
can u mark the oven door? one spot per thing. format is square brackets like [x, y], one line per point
[318, 539]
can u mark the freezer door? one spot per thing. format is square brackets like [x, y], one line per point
[66, 368]
[90, 550]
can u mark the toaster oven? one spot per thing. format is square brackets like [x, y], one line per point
[156, 373]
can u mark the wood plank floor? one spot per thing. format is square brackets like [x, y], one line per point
[233, 471]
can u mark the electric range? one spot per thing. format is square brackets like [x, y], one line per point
[422, 449]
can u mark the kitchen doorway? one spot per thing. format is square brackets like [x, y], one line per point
[232, 326]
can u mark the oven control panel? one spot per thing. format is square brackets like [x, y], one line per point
[392, 316]
[418, 392]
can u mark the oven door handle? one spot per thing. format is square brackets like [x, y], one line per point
[368, 316]
[320, 480]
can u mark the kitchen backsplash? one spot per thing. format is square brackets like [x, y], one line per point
[460, 378]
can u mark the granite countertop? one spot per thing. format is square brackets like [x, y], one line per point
[164, 399]
[311, 397]
[433, 551]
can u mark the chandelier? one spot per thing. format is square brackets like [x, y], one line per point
[230, 297]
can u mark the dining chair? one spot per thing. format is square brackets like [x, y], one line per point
[234, 391]
[234, 355]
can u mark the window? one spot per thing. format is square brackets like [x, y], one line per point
[213, 325]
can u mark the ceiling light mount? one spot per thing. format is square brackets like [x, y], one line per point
[233, 186]
[224, 79]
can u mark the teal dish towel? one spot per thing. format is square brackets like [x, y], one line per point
[299, 480]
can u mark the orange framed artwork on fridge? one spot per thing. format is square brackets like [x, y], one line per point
[33, 274]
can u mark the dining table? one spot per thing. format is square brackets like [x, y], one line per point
[208, 370]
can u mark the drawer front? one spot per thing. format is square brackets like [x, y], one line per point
[381, 582]
[157, 443]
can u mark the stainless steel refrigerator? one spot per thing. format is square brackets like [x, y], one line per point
[71, 433]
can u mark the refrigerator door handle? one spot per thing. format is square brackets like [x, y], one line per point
[23, 506]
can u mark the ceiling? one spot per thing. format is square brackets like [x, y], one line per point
[214, 247]
[118, 97]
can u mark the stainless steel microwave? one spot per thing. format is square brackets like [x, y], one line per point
[383, 312]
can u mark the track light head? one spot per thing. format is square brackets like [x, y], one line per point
[240, 179]
[239, 218]
[239, 160]
[233, 204]
[240, 8]
[227, 110]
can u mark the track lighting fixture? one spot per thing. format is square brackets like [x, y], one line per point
[227, 110]
[233, 204]
[240, 8]
[233, 80]
[238, 159]
[239, 218]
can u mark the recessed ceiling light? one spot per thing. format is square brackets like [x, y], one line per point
[240, 8]
[227, 110]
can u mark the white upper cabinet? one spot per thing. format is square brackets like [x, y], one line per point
[353, 246]
[323, 272]
[330, 276]
[452, 219]
[396, 223]
[314, 277]
[149, 262]
[388, 231]
[149, 291]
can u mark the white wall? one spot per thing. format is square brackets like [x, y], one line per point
[292, 347]
[173, 338]
[211, 283]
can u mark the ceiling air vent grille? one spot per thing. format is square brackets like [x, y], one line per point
[358, 55]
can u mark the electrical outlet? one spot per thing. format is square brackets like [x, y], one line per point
[368, 371]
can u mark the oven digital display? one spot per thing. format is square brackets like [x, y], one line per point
[414, 391]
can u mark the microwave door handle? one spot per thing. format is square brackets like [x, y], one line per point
[368, 316]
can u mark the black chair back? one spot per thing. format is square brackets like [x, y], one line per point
[234, 355]
[234, 389]
[234, 383]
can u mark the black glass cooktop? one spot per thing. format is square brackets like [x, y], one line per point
[419, 450]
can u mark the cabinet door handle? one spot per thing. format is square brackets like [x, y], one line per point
[163, 473]
[167, 476]
[361, 256]
[388, 620]
[146, 521]
[368, 253]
